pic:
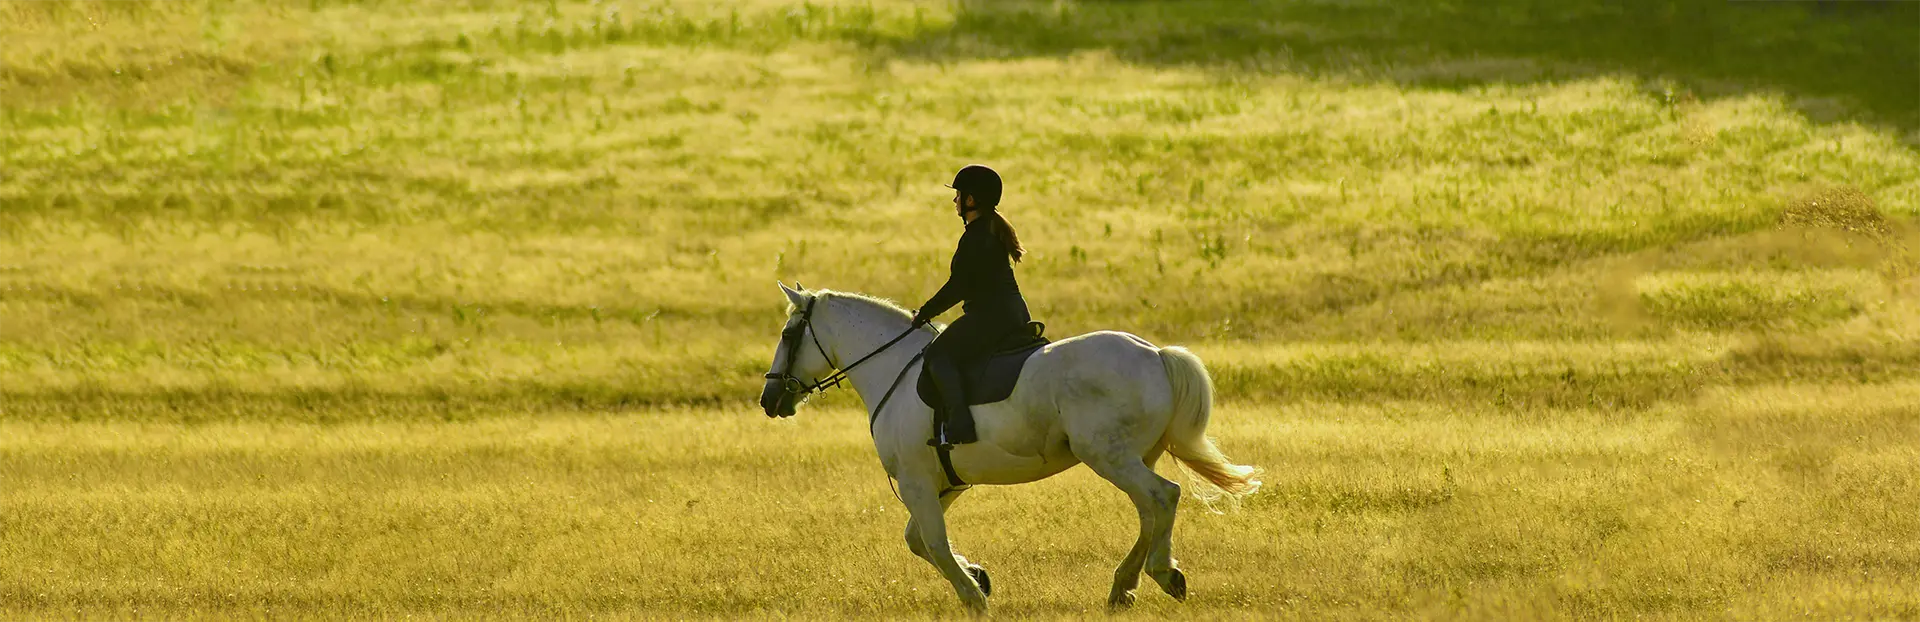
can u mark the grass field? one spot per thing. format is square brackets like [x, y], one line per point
[1530, 309]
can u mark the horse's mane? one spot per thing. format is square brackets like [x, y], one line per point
[875, 302]
[881, 303]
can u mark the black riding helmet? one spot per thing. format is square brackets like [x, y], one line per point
[979, 182]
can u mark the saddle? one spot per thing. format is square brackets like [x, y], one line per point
[991, 379]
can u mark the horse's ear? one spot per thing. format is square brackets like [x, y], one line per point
[792, 296]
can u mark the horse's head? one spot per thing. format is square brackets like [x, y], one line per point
[796, 366]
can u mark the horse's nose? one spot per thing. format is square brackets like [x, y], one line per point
[770, 398]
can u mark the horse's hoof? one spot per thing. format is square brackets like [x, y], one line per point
[980, 576]
[1120, 602]
[1176, 585]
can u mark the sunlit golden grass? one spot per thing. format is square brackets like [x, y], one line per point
[1529, 309]
[1777, 501]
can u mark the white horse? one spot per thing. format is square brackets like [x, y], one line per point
[1108, 399]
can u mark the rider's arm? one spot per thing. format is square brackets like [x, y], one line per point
[959, 281]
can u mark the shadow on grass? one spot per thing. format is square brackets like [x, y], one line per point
[1835, 61]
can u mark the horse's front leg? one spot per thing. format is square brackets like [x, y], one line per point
[919, 546]
[928, 522]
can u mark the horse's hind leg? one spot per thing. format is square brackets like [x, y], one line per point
[919, 546]
[1156, 499]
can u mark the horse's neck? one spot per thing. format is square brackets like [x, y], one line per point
[858, 331]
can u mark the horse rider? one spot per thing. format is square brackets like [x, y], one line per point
[982, 281]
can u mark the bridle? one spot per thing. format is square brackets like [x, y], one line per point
[790, 340]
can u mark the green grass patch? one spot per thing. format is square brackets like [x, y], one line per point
[1757, 300]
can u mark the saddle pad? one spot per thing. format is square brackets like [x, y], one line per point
[987, 381]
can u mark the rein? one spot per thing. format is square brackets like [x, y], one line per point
[793, 385]
[874, 417]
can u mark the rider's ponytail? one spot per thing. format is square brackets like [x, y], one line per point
[1008, 237]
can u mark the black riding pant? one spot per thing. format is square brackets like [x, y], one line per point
[978, 331]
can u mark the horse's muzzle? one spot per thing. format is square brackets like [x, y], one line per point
[775, 401]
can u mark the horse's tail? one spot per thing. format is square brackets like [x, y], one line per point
[1186, 436]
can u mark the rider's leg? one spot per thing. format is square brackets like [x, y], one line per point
[953, 400]
[944, 356]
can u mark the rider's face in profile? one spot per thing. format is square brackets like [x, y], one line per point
[960, 203]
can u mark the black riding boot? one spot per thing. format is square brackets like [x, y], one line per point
[958, 422]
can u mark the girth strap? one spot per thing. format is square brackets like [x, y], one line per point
[946, 464]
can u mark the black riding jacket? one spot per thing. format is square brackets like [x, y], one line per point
[982, 276]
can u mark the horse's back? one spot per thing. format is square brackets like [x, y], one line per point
[1095, 352]
[1105, 338]
[1109, 364]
